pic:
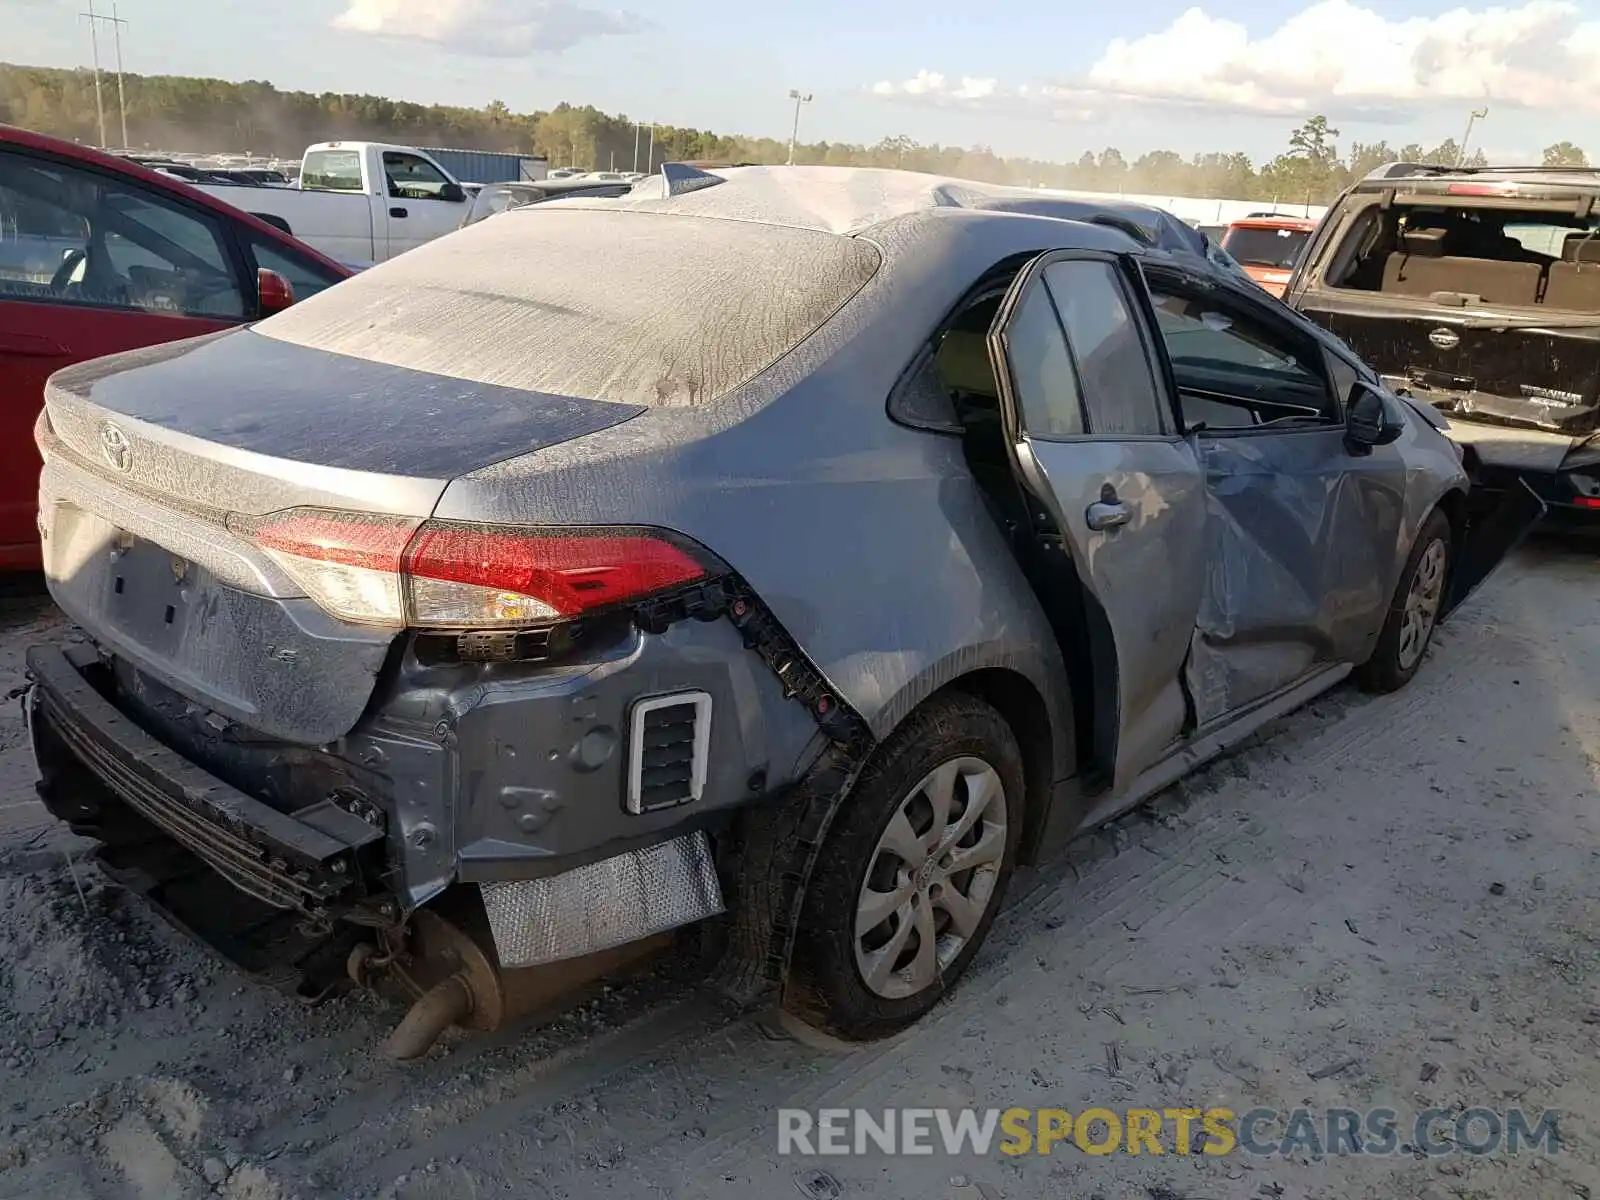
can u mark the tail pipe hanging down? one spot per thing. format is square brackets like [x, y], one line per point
[455, 981]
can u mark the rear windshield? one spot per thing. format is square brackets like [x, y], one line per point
[1465, 255]
[1279, 248]
[636, 308]
[332, 171]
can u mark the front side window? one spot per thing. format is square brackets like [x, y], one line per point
[412, 177]
[1221, 353]
[305, 277]
[76, 237]
[332, 171]
[1114, 371]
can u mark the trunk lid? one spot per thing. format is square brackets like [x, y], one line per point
[149, 454]
[1534, 373]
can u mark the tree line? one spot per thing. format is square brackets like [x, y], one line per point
[184, 114]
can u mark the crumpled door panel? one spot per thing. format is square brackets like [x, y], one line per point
[1301, 539]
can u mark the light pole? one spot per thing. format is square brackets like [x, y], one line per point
[794, 134]
[1473, 118]
[637, 128]
[650, 162]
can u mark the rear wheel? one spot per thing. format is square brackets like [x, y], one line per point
[1414, 612]
[913, 871]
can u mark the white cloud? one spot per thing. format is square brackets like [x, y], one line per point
[493, 27]
[970, 91]
[1333, 56]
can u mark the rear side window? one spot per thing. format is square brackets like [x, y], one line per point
[1114, 368]
[332, 171]
[1047, 386]
[631, 307]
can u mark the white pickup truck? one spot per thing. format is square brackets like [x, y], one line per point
[358, 202]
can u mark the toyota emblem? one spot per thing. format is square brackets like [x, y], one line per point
[1444, 339]
[114, 446]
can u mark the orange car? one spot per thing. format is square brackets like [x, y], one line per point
[1268, 247]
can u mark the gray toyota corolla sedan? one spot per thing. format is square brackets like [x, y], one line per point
[802, 548]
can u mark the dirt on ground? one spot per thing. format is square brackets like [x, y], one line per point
[1379, 903]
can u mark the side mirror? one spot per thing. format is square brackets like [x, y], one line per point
[274, 292]
[453, 192]
[1369, 421]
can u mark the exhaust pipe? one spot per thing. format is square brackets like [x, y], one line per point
[446, 1003]
[455, 980]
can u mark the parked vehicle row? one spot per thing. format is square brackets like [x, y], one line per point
[458, 640]
[99, 255]
[358, 202]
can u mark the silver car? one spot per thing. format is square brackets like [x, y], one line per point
[803, 548]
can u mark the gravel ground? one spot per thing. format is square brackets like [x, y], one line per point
[1378, 902]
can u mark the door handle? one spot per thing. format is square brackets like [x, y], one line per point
[398, 212]
[1107, 514]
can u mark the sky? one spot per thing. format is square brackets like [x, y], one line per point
[1035, 77]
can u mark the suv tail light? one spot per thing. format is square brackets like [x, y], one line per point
[452, 575]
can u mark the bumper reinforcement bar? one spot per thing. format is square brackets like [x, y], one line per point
[273, 856]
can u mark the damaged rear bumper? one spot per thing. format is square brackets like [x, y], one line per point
[89, 753]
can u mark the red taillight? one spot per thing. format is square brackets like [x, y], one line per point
[1587, 501]
[570, 573]
[1483, 189]
[444, 574]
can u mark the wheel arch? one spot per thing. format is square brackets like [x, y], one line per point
[1023, 707]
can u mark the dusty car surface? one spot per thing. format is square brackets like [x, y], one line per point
[1478, 292]
[1268, 247]
[495, 198]
[807, 545]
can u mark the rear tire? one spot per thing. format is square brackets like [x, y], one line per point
[903, 896]
[1413, 612]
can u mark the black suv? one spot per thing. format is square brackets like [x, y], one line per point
[1478, 291]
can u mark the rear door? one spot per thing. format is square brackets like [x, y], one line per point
[90, 264]
[1114, 492]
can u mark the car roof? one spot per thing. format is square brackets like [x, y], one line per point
[849, 200]
[11, 135]
[1539, 176]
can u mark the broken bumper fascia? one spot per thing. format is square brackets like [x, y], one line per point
[306, 862]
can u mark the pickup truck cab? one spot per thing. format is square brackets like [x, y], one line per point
[358, 202]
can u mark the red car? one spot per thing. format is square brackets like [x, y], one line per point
[1268, 247]
[98, 255]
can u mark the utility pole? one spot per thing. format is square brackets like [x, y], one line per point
[122, 100]
[637, 129]
[116, 22]
[94, 45]
[650, 164]
[794, 134]
[1473, 118]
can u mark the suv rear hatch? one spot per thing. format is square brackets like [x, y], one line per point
[1480, 297]
[157, 462]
